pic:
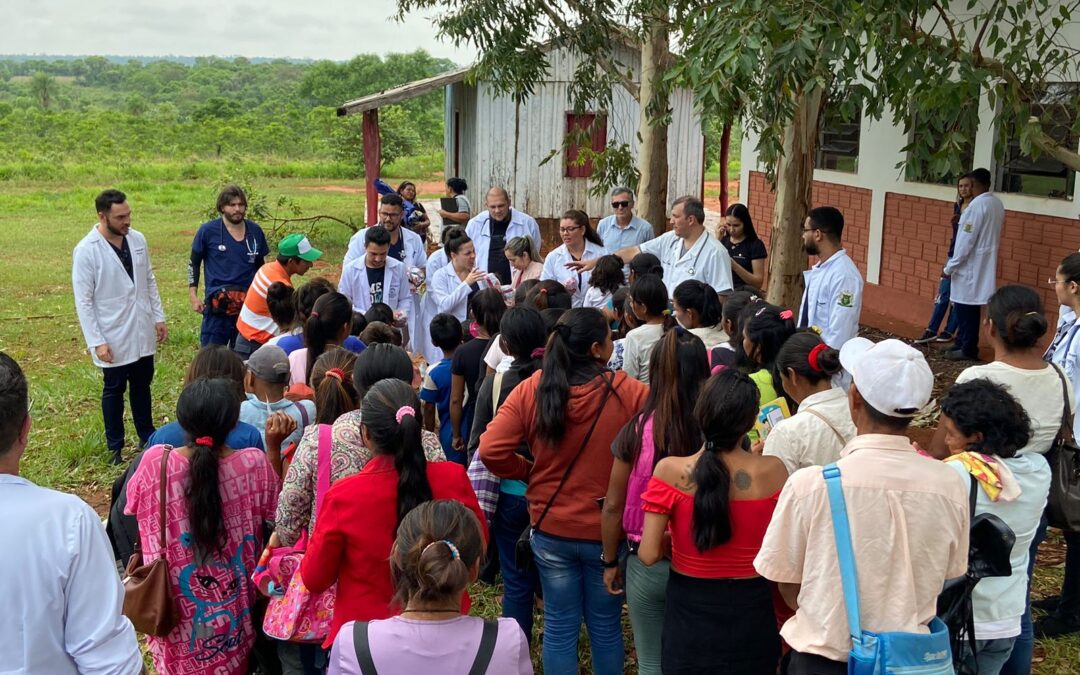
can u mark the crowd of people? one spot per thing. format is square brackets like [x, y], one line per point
[622, 420]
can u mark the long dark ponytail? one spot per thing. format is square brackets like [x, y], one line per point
[568, 351]
[207, 411]
[726, 411]
[390, 413]
[767, 327]
[330, 312]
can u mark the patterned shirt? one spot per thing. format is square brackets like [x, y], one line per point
[348, 455]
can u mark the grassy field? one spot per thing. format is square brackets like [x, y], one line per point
[38, 327]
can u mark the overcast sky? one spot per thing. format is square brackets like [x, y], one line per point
[316, 29]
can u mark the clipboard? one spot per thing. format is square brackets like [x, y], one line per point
[448, 204]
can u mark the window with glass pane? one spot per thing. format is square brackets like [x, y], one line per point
[1045, 176]
[838, 144]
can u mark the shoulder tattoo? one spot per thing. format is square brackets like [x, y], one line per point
[742, 480]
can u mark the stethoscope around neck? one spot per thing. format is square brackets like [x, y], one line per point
[249, 242]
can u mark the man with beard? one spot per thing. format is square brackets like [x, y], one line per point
[120, 312]
[832, 300]
[232, 249]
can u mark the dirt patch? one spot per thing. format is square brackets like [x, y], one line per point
[424, 187]
[334, 188]
[98, 496]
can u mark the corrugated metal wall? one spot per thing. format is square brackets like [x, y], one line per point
[503, 143]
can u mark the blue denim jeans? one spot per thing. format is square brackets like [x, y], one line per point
[572, 577]
[519, 588]
[218, 330]
[941, 306]
[992, 655]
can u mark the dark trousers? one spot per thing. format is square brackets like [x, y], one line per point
[136, 378]
[800, 663]
[218, 330]
[967, 328]
[244, 347]
[519, 586]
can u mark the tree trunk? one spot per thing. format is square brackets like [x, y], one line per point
[1049, 146]
[794, 182]
[725, 156]
[653, 143]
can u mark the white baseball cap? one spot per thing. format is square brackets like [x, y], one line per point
[891, 376]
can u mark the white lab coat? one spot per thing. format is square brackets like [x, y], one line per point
[555, 268]
[415, 253]
[479, 230]
[707, 261]
[832, 299]
[973, 265]
[450, 294]
[1064, 352]
[354, 286]
[112, 308]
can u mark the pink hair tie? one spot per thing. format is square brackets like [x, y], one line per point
[336, 373]
[787, 314]
[537, 353]
[717, 368]
[405, 411]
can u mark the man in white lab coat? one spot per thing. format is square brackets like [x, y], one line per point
[377, 276]
[120, 312]
[972, 268]
[63, 598]
[491, 229]
[832, 299]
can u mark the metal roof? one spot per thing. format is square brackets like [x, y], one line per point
[402, 93]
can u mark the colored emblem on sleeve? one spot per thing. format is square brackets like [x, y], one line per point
[846, 299]
[967, 228]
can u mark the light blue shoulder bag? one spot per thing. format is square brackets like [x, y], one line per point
[881, 653]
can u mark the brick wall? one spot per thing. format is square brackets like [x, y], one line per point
[854, 203]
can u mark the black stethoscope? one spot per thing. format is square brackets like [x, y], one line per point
[251, 245]
[697, 256]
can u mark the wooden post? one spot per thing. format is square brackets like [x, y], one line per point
[725, 154]
[372, 163]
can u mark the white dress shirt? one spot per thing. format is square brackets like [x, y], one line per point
[707, 261]
[62, 594]
[636, 233]
[555, 268]
[113, 308]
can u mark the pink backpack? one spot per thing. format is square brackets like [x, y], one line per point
[297, 614]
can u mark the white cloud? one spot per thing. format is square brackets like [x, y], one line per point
[315, 29]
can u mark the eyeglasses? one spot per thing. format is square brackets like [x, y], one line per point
[810, 229]
[1054, 282]
[620, 205]
[568, 230]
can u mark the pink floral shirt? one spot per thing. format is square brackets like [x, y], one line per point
[212, 592]
[348, 455]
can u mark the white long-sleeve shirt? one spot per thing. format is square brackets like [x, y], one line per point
[555, 269]
[450, 294]
[62, 594]
[113, 308]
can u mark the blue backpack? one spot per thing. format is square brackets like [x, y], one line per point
[881, 653]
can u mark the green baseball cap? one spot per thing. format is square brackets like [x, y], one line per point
[298, 246]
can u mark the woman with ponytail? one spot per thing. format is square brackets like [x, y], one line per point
[649, 303]
[523, 336]
[717, 504]
[341, 379]
[328, 325]
[569, 413]
[765, 330]
[662, 429]
[815, 435]
[359, 519]
[220, 501]
[436, 555]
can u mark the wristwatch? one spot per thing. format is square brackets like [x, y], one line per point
[609, 564]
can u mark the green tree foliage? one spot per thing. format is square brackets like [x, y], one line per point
[93, 109]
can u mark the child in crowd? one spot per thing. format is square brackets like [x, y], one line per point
[697, 309]
[727, 354]
[359, 323]
[377, 332]
[486, 307]
[435, 556]
[765, 330]
[716, 504]
[649, 303]
[445, 332]
[281, 301]
[265, 383]
[327, 325]
[624, 322]
[607, 277]
[380, 311]
[642, 264]
[305, 298]
[548, 294]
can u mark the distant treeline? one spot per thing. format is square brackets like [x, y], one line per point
[93, 110]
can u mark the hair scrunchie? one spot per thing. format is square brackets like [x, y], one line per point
[403, 412]
[812, 358]
[336, 373]
[538, 353]
[787, 315]
[205, 441]
[454, 553]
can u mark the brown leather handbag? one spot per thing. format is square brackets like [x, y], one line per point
[148, 599]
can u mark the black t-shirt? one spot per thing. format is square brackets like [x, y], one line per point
[124, 253]
[397, 251]
[497, 263]
[469, 363]
[375, 277]
[744, 253]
